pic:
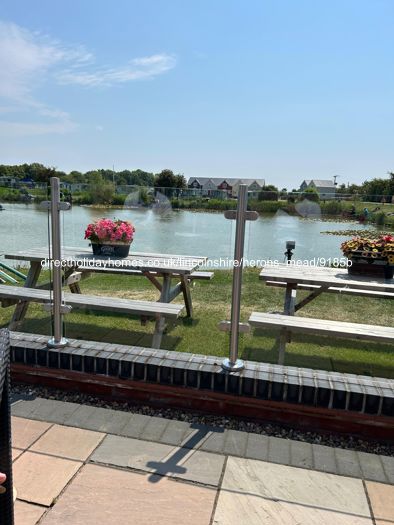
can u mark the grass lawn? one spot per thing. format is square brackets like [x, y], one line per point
[211, 301]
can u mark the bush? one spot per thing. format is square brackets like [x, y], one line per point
[267, 206]
[310, 195]
[332, 207]
[119, 199]
[379, 218]
[9, 195]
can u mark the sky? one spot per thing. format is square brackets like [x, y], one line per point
[284, 90]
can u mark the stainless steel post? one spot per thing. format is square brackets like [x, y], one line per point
[57, 340]
[233, 363]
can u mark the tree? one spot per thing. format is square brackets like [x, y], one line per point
[102, 191]
[268, 193]
[310, 194]
[375, 189]
[165, 179]
[180, 181]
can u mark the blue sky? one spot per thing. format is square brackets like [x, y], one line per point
[281, 89]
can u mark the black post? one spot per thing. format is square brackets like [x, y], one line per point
[6, 499]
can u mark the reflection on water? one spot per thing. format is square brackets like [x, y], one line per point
[162, 230]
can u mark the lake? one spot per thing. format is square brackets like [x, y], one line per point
[163, 230]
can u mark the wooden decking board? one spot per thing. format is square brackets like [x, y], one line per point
[323, 327]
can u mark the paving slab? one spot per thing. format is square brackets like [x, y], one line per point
[316, 493]
[68, 442]
[347, 462]
[130, 452]
[214, 442]
[324, 459]
[25, 408]
[99, 419]
[40, 479]
[371, 467]
[154, 429]
[279, 450]
[257, 447]
[26, 513]
[176, 432]
[62, 410]
[235, 443]
[26, 431]
[135, 425]
[16, 452]
[42, 409]
[157, 458]
[382, 502]
[116, 497]
[301, 454]
[388, 466]
[200, 467]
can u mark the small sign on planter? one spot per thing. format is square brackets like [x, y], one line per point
[111, 250]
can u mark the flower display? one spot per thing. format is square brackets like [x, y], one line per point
[381, 247]
[110, 231]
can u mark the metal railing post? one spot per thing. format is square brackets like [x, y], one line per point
[241, 216]
[57, 341]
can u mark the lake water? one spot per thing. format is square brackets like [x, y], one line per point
[164, 230]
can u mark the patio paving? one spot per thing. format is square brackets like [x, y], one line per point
[183, 474]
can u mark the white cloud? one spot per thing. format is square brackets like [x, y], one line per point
[20, 129]
[136, 69]
[30, 59]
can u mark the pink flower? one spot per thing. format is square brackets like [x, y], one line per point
[108, 230]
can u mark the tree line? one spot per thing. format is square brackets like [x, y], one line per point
[41, 174]
[104, 180]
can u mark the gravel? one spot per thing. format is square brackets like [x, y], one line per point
[329, 439]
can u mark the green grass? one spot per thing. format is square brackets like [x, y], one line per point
[211, 301]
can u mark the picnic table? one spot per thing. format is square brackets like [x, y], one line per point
[160, 269]
[318, 280]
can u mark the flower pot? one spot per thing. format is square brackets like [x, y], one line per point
[369, 267]
[119, 250]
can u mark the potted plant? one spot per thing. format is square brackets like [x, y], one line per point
[110, 237]
[371, 256]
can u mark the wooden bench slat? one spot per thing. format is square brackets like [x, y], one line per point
[133, 271]
[323, 327]
[337, 290]
[93, 301]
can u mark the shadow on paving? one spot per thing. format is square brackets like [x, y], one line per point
[170, 465]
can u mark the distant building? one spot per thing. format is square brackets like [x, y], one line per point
[325, 188]
[27, 181]
[9, 182]
[254, 186]
[229, 187]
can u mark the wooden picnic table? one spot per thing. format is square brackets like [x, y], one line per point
[320, 280]
[153, 266]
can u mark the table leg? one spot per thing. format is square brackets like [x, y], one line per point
[289, 309]
[31, 281]
[187, 295]
[160, 320]
[290, 298]
[74, 287]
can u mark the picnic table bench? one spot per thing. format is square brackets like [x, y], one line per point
[320, 280]
[159, 269]
[20, 295]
